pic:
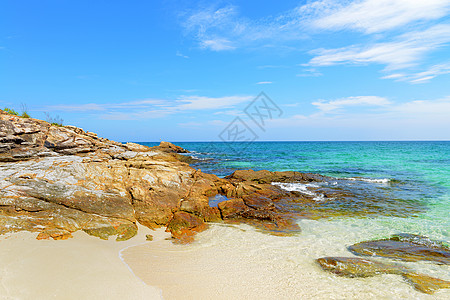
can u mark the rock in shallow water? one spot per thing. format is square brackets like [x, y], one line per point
[406, 247]
[360, 267]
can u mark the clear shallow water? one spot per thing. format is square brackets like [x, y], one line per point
[418, 172]
[409, 174]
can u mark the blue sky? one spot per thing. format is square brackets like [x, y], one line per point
[183, 70]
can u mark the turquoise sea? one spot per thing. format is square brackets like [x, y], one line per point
[407, 183]
[417, 173]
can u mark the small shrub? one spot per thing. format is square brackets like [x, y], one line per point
[24, 111]
[56, 121]
[10, 111]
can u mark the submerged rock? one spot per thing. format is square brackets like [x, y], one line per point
[406, 247]
[360, 267]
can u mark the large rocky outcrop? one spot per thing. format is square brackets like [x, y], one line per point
[55, 180]
[59, 179]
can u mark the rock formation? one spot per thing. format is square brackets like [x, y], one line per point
[359, 267]
[55, 180]
[406, 247]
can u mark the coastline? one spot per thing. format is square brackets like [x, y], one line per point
[82, 267]
[239, 262]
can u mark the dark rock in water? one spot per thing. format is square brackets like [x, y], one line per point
[406, 247]
[360, 267]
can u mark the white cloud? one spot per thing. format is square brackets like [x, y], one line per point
[201, 103]
[334, 105]
[217, 44]
[225, 29]
[105, 106]
[264, 82]
[309, 72]
[153, 108]
[178, 53]
[396, 46]
[407, 50]
[77, 108]
[372, 16]
[191, 124]
[417, 119]
[212, 27]
[437, 109]
[421, 77]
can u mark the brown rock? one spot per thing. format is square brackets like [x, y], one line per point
[359, 267]
[232, 208]
[56, 234]
[407, 247]
[184, 226]
[169, 147]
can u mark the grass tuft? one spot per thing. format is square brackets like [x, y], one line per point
[10, 111]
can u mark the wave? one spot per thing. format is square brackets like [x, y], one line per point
[302, 188]
[372, 180]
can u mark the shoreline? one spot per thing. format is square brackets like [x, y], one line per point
[239, 262]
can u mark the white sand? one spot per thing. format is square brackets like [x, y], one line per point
[83, 267]
[224, 263]
[240, 263]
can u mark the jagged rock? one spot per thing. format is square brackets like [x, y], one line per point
[184, 226]
[359, 267]
[169, 147]
[62, 179]
[406, 247]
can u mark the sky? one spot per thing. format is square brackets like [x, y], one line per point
[191, 70]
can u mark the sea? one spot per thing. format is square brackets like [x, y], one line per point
[407, 182]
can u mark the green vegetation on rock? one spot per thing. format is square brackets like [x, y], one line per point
[10, 111]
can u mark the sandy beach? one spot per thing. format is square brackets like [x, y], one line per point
[225, 262]
[83, 267]
[237, 262]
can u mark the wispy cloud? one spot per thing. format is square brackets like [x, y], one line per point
[371, 16]
[387, 25]
[153, 108]
[178, 53]
[217, 44]
[105, 106]
[223, 28]
[309, 72]
[421, 77]
[336, 105]
[418, 119]
[202, 103]
[264, 82]
[407, 50]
